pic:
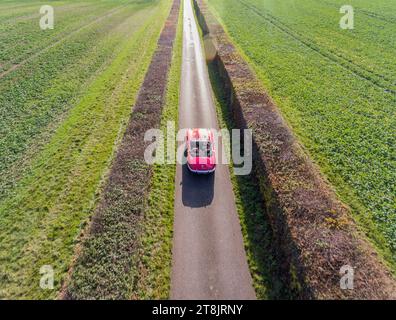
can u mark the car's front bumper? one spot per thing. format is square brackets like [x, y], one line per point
[201, 171]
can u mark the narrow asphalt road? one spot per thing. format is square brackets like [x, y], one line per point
[209, 260]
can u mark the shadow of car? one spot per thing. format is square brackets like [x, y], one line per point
[197, 190]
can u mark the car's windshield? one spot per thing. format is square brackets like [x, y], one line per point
[200, 148]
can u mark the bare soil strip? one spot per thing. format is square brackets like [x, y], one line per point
[313, 230]
[106, 266]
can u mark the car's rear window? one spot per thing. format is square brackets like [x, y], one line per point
[200, 148]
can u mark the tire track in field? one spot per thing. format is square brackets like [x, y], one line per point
[37, 14]
[376, 15]
[61, 33]
[21, 5]
[344, 62]
[368, 13]
[20, 9]
[66, 37]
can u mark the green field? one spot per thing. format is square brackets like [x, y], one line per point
[65, 97]
[336, 89]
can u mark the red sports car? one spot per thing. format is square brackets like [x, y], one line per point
[200, 150]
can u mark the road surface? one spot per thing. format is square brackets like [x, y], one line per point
[209, 260]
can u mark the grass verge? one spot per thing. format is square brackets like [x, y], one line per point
[156, 244]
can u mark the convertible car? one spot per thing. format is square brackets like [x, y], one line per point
[200, 150]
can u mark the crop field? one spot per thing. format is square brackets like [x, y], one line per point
[336, 88]
[65, 97]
